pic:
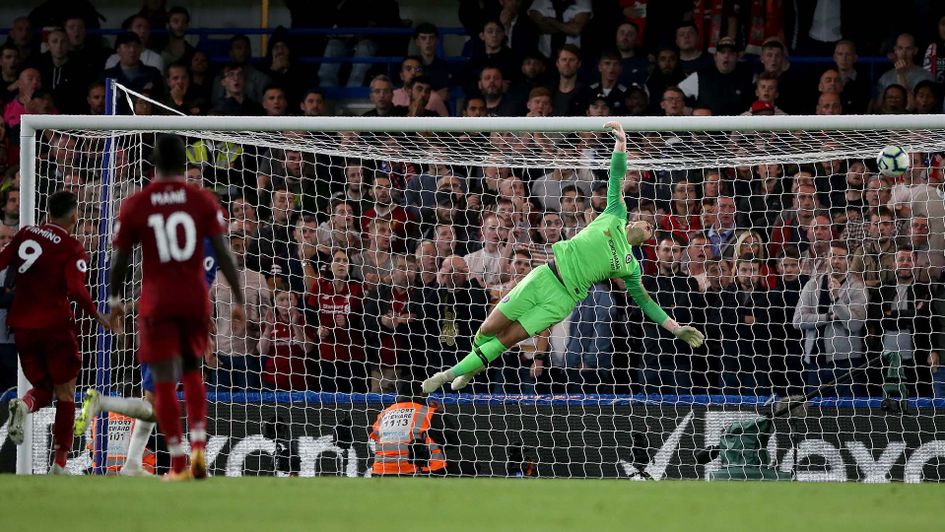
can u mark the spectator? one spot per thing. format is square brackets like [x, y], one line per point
[274, 102]
[21, 36]
[549, 232]
[180, 97]
[913, 195]
[548, 188]
[787, 367]
[667, 72]
[299, 265]
[475, 106]
[926, 98]
[284, 345]
[746, 307]
[236, 100]
[488, 263]
[875, 261]
[721, 233]
[777, 68]
[401, 222]
[140, 26]
[696, 260]
[589, 344]
[8, 353]
[410, 68]
[558, 27]
[610, 67]
[392, 316]
[634, 69]
[929, 262]
[428, 264]
[533, 73]
[906, 326]
[90, 53]
[766, 92]
[691, 58]
[28, 84]
[539, 102]
[283, 69]
[130, 71]
[725, 87]
[934, 60]
[750, 244]
[814, 261]
[275, 233]
[65, 77]
[177, 49]
[521, 31]
[856, 87]
[240, 55]
[450, 314]
[573, 212]
[200, 79]
[905, 72]
[155, 12]
[498, 101]
[382, 96]
[356, 191]
[831, 313]
[374, 264]
[10, 198]
[95, 98]
[829, 103]
[313, 103]
[9, 72]
[894, 100]
[340, 231]
[420, 91]
[568, 98]
[235, 345]
[243, 218]
[790, 229]
[492, 52]
[335, 303]
[665, 366]
[426, 37]
[683, 219]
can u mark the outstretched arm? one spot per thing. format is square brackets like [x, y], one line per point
[618, 168]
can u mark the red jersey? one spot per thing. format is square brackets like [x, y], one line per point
[171, 220]
[342, 343]
[50, 267]
[284, 367]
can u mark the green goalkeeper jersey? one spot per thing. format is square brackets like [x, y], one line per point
[600, 251]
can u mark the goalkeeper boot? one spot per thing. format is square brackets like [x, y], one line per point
[91, 407]
[463, 380]
[58, 470]
[17, 420]
[198, 463]
[438, 379]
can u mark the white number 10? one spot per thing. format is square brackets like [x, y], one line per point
[165, 234]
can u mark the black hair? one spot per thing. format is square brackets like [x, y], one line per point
[169, 157]
[178, 10]
[61, 204]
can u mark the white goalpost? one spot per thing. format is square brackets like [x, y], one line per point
[372, 249]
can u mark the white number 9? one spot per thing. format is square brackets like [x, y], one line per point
[29, 251]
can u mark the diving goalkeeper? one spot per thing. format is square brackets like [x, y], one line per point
[547, 295]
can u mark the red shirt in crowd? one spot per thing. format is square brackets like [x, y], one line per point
[338, 311]
[285, 368]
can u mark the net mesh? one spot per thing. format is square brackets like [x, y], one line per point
[370, 259]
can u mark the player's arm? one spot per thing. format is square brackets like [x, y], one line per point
[618, 170]
[654, 312]
[6, 256]
[121, 259]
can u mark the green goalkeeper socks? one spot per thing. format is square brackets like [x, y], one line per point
[479, 356]
[481, 339]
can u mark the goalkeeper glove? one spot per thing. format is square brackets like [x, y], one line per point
[690, 335]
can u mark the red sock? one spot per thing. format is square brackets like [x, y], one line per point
[167, 411]
[195, 397]
[37, 398]
[62, 430]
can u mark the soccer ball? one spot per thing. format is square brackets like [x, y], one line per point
[892, 161]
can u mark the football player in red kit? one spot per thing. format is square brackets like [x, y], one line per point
[170, 220]
[50, 267]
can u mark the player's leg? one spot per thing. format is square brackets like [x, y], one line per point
[513, 334]
[40, 395]
[195, 398]
[140, 435]
[167, 410]
[62, 426]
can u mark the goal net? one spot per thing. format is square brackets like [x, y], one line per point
[371, 250]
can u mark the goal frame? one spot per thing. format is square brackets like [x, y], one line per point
[32, 124]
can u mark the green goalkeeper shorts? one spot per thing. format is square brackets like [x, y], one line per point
[538, 301]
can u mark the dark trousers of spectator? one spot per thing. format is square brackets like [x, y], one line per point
[787, 373]
[591, 380]
[665, 374]
[746, 370]
[822, 370]
[8, 367]
[342, 376]
[234, 373]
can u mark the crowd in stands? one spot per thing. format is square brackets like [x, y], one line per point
[359, 273]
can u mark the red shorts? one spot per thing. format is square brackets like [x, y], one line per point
[48, 356]
[167, 338]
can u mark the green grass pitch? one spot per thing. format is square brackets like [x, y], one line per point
[483, 505]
